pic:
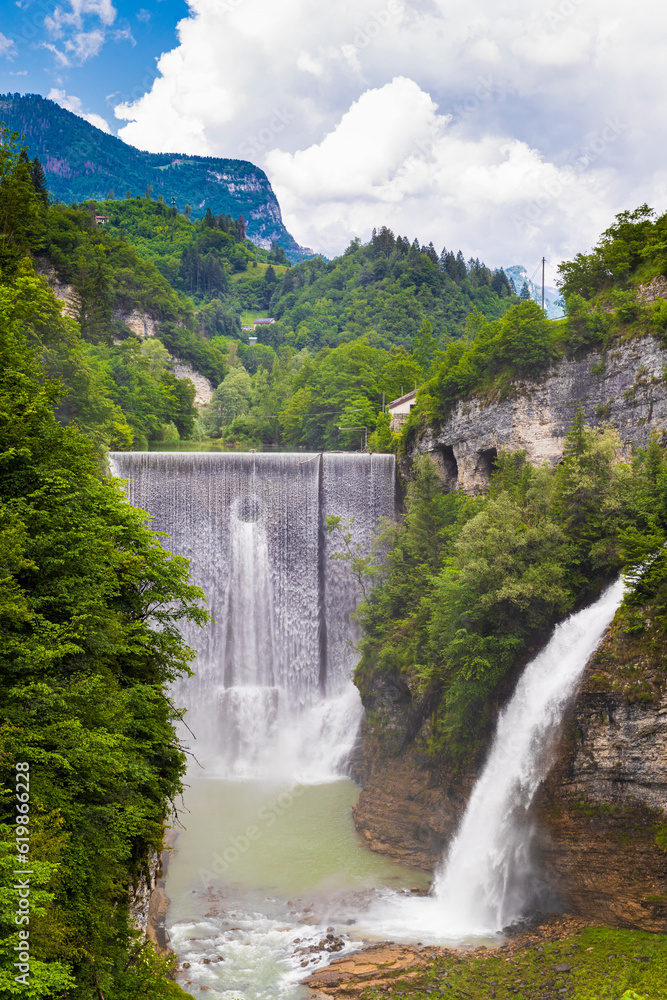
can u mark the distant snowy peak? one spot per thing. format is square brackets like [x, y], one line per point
[552, 297]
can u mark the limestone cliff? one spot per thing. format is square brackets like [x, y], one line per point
[602, 812]
[604, 804]
[626, 386]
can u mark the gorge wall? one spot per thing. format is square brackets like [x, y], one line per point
[626, 385]
[603, 810]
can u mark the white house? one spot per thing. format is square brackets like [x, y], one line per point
[399, 409]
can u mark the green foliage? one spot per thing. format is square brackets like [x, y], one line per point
[384, 291]
[21, 211]
[90, 604]
[470, 585]
[189, 346]
[600, 288]
[230, 400]
[623, 246]
[603, 963]
[521, 345]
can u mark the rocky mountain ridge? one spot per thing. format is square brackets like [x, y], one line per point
[82, 162]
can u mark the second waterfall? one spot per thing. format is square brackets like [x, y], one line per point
[273, 695]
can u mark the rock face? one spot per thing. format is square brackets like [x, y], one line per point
[410, 805]
[203, 387]
[654, 290]
[626, 386]
[141, 324]
[604, 804]
[602, 812]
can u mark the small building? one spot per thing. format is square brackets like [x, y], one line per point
[399, 410]
[264, 321]
[101, 220]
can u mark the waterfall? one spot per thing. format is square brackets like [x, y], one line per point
[272, 696]
[488, 880]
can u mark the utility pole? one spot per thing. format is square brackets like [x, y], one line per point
[543, 263]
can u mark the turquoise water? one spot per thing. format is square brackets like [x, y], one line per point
[261, 871]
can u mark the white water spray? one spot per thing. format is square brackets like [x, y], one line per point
[488, 880]
[273, 696]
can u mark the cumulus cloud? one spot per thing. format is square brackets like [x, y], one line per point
[493, 195]
[75, 105]
[7, 46]
[82, 25]
[475, 125]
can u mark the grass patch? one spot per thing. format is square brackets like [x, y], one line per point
[257, 273]
[598, 963]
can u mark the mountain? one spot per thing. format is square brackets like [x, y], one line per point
[82, 162]
[552, 297]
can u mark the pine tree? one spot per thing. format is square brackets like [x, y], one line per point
[424, 345]
[38, 178]
[461, 269]
[20, 210]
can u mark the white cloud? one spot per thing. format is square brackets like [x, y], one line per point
[7, 46]
[124, 34]
[77, 11]
[74, 104]
[331, 99]
[85, 45]
[83, 25]
[494, 195]
[60, 57]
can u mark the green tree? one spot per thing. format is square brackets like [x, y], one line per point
[523, 339]
[21, 223]
[424, 346]
[92, 284]
[90, 606]
[230, 400]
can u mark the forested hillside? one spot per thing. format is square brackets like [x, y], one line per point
[118, 389]
[209, 259]
[614, 293]
[90, 603]
[351, 331]
[82, 162]
[348, 333]
[383, 291]
[473, 584]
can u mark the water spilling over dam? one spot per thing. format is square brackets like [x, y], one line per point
[272, 694]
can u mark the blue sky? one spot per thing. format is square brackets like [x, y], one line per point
[102, 53]
[508, 128]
